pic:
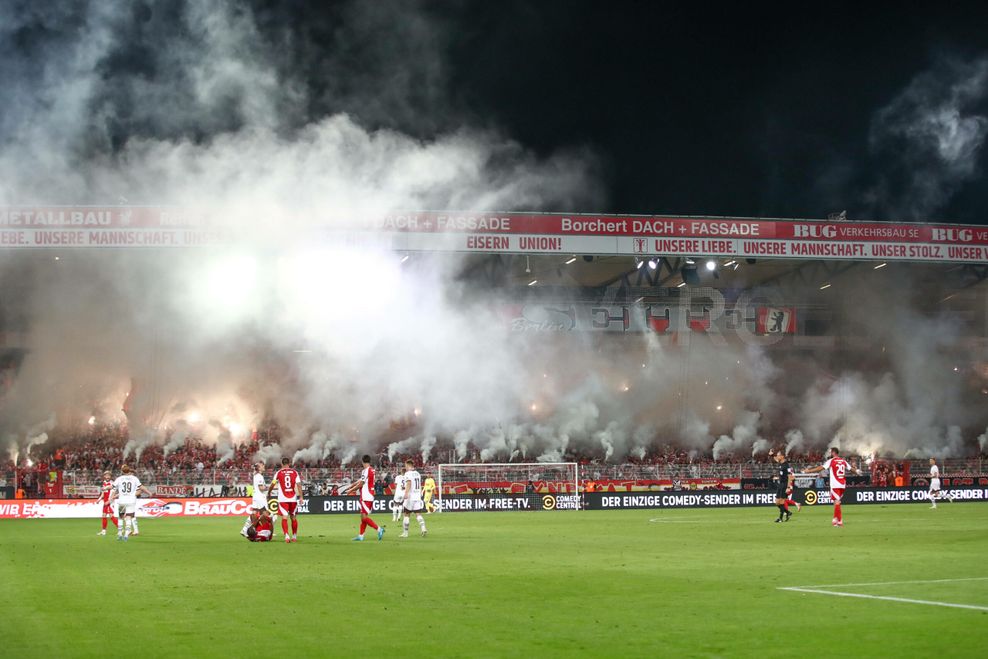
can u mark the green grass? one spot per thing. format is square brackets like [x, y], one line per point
[694, 583]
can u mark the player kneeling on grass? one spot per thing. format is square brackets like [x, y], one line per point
[366, 487]
[262, 529]
[413, 499]
[125, 491]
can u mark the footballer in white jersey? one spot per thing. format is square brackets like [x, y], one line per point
[413, 499]
[125, 490]
[399, 498]
[934, 492]
[259, 498]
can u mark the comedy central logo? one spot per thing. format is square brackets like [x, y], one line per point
[810, 497]
[548, 502]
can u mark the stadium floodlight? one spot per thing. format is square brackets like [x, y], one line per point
[690, 261]
[556, 484]
[652, 264]
[404, 258]
[533, 282]
[572, 259]
[711, 265]
[528, 266]
[880, 265]
[825, 287]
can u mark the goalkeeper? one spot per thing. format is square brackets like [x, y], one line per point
[428, 489]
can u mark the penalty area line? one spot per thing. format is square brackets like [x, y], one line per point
[892, 583]
[904, 600]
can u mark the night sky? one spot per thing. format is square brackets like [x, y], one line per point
[774, 110]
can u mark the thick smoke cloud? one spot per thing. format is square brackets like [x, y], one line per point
[268, 132]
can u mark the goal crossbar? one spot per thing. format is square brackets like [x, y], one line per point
[570, 479]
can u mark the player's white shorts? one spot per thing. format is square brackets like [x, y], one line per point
[126, 508]
[414, 505]
[259, 503]
[934, 485]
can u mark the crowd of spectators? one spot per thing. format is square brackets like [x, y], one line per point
[194, 461]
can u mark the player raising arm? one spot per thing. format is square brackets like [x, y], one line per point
[125, 491]
[366, 487]
[106, 490]
[838, 467]
[289, 486]
[785, 478]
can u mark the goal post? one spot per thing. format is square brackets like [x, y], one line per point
[545, 484]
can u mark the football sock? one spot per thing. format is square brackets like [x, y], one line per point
[294, 527]
[116, 522]
[404, 525]
[837, 512]
[246, 525]
[133, 523]
[782, 511]
[371, 523]
[363, 526]
[104, 523]
[421, 521]
[284, 525]
[126, 526]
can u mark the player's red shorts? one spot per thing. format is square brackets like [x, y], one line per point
[286, 508]
[366, 506]
[108, 510]
[837, 494]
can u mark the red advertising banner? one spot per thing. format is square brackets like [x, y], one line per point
[521, 233]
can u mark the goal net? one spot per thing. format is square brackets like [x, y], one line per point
[539, 485]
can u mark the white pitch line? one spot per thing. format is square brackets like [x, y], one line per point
[888, 599]
[892, 583]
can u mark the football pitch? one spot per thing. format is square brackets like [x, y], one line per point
[896, 580]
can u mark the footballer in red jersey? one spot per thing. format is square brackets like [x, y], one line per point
[366, 488]
[262, 530]
[838, 468]
[289, 485]
[104, 498]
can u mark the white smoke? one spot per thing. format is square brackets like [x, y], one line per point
[794, 442]
[934, 130]
[744, 434]
[269, 454]
[760, 446]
